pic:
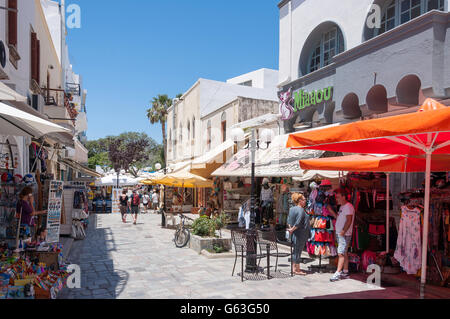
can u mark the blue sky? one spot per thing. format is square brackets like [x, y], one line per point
[130, 51]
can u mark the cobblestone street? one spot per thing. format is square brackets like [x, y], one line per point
[126, 261]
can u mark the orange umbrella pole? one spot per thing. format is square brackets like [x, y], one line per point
[387, 211]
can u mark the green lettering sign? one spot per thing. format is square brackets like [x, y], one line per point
[304, 99]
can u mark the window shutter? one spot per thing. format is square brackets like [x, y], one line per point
[33, 56]
[12, 22]
[38, 61]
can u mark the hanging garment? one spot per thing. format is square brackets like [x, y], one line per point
[409, 247]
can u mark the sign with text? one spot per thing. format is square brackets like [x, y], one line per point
[116, 192]
[54, 211]
[293, 102]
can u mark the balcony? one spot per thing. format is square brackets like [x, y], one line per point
[59, 105]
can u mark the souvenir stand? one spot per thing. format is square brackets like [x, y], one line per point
[76, 209]
[418, 140]
[322, 242]
[31, 269]
[280, 168]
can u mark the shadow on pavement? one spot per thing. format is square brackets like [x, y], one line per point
[99, 279]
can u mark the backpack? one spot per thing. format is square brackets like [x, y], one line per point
[136, 200]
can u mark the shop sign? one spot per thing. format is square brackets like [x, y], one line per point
[293, 103]
[116, 193]
[54, 211]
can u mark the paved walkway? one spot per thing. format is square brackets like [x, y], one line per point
[129, 261]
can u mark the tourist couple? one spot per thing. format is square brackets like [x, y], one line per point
[299, 229]
[133, 204]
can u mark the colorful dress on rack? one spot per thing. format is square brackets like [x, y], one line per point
[409, 244]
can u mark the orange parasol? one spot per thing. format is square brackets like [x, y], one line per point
[426, 132]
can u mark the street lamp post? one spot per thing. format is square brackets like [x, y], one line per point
[163, 217]
[253, 146]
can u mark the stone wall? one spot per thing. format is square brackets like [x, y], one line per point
[251, 108]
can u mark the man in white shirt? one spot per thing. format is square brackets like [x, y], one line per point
[344, 230]
[155, 200]
[145, 201]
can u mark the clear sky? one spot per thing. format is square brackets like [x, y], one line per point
[130, 51]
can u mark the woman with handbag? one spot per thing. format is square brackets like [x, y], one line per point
[299, 228]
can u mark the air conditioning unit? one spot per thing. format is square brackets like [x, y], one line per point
[4, 54]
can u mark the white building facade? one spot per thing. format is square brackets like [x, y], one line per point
[201, 119]
[343, 60]
[35, 66]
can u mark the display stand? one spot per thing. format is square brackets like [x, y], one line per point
[319, 266]
[69, 190]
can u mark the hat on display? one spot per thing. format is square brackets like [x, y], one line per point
[28, 179]
[17, 178]
[313, 185]
[265, 181]
[4, 177]
[9, 178]
[325, 182]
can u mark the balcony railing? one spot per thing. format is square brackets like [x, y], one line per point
[60, 98]
[52, 96]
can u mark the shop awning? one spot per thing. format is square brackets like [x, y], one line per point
[210, 156]
[277, 161]
[184, 179]
[111, 180]
[19, 123]
[178, 166]
[77, 166]
[8, 94]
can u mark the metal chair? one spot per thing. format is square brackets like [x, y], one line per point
[244, 242]
[268, 241]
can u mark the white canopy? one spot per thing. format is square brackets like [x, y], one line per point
[277, 161]
[111, 180]
[19, 123]
[8, 94]
[211, 155]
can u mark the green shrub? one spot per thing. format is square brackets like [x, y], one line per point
[204, 227]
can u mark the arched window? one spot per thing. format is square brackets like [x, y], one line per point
[328, 44]
[224, 126]
[188, 129]
[193, 127]
[170, 139]
[397, 12]
[181, 133]
[323, 43]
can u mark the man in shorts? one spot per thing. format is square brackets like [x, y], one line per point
[344, 230]
[155, 200]
[145, 201]
[135, 203]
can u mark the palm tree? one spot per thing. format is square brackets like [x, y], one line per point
[158, 114]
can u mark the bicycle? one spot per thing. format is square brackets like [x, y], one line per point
[182, 234]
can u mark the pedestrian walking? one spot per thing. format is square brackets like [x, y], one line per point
[135, 203]
[145, 201]
[155, 200]
[124, 205]
[344, 230]
[299, 229]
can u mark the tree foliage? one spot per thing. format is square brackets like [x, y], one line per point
[132, 151]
